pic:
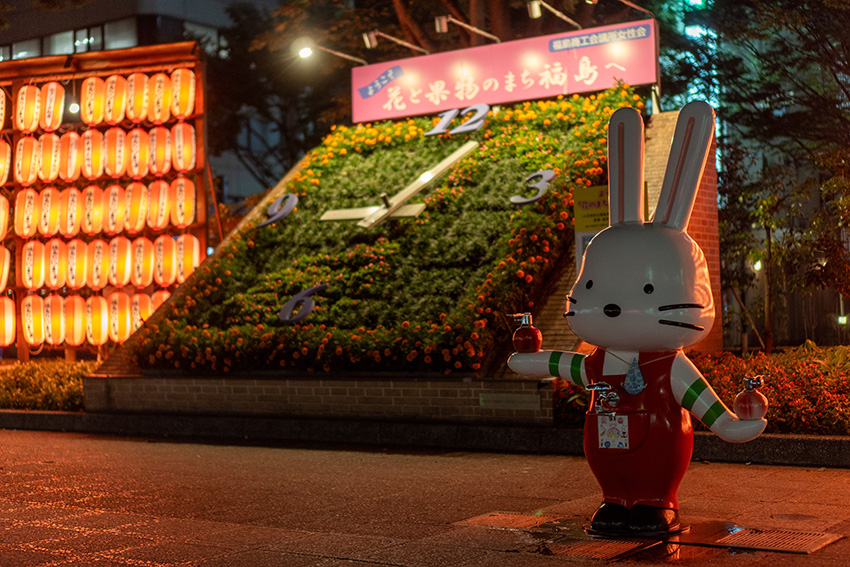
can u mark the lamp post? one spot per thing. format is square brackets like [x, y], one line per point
[535, 12]
[304, 46]
[442, 23]
[371, 40]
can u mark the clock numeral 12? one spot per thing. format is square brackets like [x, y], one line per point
[280, 209]
[474, 123]
[302, 299]
[542, 185]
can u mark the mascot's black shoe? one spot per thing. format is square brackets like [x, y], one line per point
[649, 519]
[610, 518]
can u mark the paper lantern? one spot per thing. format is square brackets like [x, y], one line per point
[158, 298]
[188, 256]
[94, 154]
[26, 160]
[165, 260]
[97, 273]
[135, 207]
[54, 319]
[70, 156]
[115, 103]
[28, 109]
[48, 220]
[138, 153]
[93, 94]
[74, 308]
[5, 264]
[7, 321]
[52, 106]
[5, 159]
[143, 262]
[33, 260]
[4, 107]
[92, 221]
[120, 261]
[97, 320]
[115, 145]
[137, 97]
[181, 197]
[77, 264]
[159, 108]
[120, 321]
[4, 217]
[159, 204]
[70, 211]
[182, 93]
[159, 160]
[32, 319]
[140, 310]
[57, 263]
[114, 202]
[183, 147]
[49, 156]
[27, 212]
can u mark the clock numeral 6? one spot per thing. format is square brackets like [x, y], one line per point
[474, 123]
[280, 209]
[303, 300]
[542, 185]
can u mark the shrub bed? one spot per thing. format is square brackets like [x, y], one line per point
[44, 385]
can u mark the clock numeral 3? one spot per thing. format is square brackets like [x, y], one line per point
[474, 123]
[303, 300]
[280, 209]
[542, 185]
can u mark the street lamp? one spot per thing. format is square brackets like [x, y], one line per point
[371, 41]
[442, 23]
[534, 12]
[304, 46]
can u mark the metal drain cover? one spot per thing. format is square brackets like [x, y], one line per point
[603, 549]
[777, 540]
[509, 520]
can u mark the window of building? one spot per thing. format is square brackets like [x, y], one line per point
[120, 34]
[88, 39]
[5, 53]
[59, 43]
[26, 49]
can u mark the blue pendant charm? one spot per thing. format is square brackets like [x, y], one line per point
[634, 383]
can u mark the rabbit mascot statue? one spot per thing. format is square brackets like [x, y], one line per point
[642, 295]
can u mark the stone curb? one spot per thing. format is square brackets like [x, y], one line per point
[771, 449]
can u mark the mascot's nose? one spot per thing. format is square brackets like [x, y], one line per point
[612, 310]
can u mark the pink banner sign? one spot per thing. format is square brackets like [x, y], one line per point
[542, 67]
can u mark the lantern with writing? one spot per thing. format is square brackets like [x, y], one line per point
[51, 200]
[158, 204]
[115, 142]
[76, 264]
[120, 322]
[98, 264]
[136, 207]
[97, 320]
[52, 106]
[28, 109]
[4, 217]
[182, 202]
[116, 99]
[7, 321]
[70, 156]
[159, 160]
[32, 319]
[5, 262]
[137, 97]
[54, 319]
[158, 298]
[159, 108]
[92, 221]
[188, 256]
[140, 309]
[138, 153]
[183, 147]
[74, 308]
[93, 93]
[49, 155]
[143, 262]
[165, 260]
[57, 263]
[4, 107]
[70, 211]
[93, 154]
[182, 93]
[27, 212]
[5, 161]
[114, 203]
[33, 259]
[26, 160]
[120, 261]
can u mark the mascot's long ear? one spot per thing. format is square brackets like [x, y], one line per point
[688, 152]
[625, 167]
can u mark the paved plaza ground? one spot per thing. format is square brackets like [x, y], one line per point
[71, 499]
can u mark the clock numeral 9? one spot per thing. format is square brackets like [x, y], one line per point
[303, 300]
[474, 123]
[280, 209]
[542, 185]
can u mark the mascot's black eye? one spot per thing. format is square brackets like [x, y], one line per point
[589, 284]
[648, 288]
